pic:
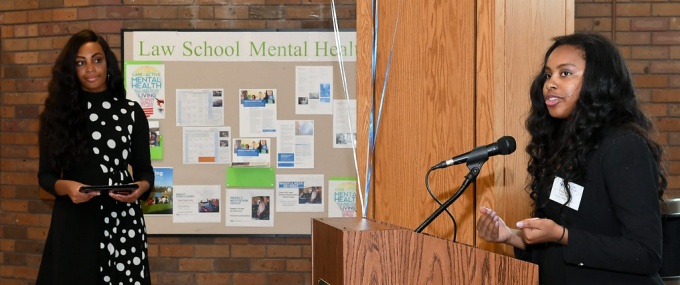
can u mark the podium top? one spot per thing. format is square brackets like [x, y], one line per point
[348, 251]
[358, 224]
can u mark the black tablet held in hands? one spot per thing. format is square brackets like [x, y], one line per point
[116, 189]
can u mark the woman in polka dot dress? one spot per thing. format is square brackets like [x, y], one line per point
[90, 134]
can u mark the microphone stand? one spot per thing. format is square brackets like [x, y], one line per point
[475, 161]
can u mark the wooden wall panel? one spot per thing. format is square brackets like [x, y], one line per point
[514, 36]
[364, 94]
[428, 112]
[459, 78]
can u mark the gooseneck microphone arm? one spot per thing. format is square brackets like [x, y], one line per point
[474, 166]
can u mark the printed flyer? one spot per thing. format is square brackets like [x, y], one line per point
[145, 84]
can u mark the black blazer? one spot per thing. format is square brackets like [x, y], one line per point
[615, 236]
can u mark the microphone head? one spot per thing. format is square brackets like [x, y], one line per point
[506, 145]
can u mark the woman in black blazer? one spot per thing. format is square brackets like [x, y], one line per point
[596, 173]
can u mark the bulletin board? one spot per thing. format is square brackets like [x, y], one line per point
[240, 119]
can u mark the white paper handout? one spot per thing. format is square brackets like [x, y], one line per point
[196, 204]
[295, 144]
[314, 90]
[344, 123]
[206, 145]
[300, 193]
[250, 208]
[200, 107]
[257, 112]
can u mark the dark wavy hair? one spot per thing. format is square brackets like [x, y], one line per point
[62, 122]
[607, 100]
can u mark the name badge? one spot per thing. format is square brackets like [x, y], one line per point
[558, 193]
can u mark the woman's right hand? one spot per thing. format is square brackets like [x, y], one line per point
[72, 189]
[491, 227]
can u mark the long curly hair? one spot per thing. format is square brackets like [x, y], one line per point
[607, 100]
[62, 122]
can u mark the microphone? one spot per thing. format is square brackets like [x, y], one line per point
[504, 145]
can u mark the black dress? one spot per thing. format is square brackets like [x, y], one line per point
[102, 241]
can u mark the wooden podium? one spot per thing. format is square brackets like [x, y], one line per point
[353, 251]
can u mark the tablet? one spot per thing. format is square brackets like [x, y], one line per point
[117, 189]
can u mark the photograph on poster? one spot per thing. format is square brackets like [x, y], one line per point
[209, 206]
[160, 197]
[251, 151]
[310, 195]
[260, 209]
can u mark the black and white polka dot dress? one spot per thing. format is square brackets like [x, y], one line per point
[103, 239]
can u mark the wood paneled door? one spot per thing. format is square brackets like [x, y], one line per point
[458, 78]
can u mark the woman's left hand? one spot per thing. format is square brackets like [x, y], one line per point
[540, 230]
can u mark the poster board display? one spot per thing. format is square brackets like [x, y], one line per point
[250, 131]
